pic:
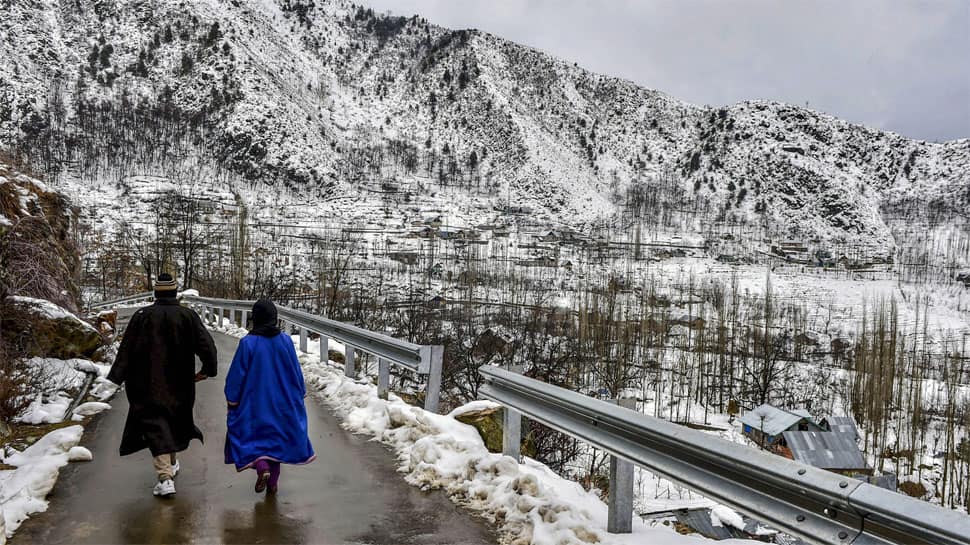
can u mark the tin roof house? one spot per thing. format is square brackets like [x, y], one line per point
[766, 424]
[830, 444]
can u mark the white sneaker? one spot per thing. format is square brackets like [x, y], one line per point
[175, 469]
[165, 488]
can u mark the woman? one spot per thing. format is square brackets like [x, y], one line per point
[266, 424]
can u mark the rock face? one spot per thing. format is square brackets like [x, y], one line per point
[38, 256]
[44, 329]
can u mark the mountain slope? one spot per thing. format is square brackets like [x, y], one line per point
[324, 96]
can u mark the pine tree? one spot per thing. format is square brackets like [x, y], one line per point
[215, 33]
[187, 63]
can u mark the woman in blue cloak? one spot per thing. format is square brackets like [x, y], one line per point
[266, 424]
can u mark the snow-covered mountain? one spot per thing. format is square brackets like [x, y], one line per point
[317, 95]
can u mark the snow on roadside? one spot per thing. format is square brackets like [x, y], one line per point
[61, 376]
[527, 501]
[24, 489]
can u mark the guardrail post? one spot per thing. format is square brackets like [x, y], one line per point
[432, 392]
[620, 516]
[245, 319]
[324, 349]
[303, 340]
[383, 377]
[512, 433]
[350, 369]
[620, 502]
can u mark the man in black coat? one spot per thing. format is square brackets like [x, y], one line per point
[156, 361]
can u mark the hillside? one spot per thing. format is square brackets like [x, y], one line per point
[320, 96]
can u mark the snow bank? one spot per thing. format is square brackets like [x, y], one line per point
[45, 409]
[23, 490]
[528, 501]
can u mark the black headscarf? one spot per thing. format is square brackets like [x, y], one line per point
[265, 319]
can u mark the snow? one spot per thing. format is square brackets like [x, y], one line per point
[473, 406]
[725, 516]
[50, 411]
[24, 489]
[91, 408]
[79, 454]
[60, 377]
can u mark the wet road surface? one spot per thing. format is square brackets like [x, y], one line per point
[350, 494]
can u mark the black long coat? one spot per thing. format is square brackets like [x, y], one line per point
[156, 361]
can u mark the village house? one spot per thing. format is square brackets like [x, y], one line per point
[560, 235]
[766, 424]
[407, 258]
[830, 444]
[807, 338]
[691, 321]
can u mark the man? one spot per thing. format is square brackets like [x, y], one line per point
[156, 361]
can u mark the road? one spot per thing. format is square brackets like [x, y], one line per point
[350, 494]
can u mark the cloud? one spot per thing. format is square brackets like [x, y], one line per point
[899, 66]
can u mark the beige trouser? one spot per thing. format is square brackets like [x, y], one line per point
[163, 466]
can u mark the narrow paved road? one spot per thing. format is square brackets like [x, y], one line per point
[350, 494]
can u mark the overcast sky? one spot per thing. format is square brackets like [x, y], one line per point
[899, 65]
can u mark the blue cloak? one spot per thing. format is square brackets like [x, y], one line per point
[269, 422]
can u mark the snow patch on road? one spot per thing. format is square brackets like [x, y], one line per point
[23, 490]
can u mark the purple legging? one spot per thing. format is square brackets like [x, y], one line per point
[263, 466]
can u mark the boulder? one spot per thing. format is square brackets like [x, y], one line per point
[106, 321]
[488, 423]
[41, 328]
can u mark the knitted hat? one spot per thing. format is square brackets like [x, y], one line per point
[165, 282]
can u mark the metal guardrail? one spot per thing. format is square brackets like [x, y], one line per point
[421, 359]
[138, 298]
[818, 506]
